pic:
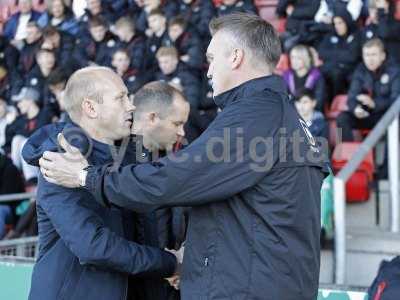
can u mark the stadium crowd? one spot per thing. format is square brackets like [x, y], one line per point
[330, 48]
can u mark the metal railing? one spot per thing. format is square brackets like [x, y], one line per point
[16, 197]
[390, 124]
[19, 248]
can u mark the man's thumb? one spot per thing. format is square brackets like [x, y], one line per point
[64, 144]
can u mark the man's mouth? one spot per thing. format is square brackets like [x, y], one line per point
[129, 121]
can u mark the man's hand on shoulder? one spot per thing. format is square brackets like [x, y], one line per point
[65, 169]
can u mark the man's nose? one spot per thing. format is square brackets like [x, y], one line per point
[181, 132]
[130, 106]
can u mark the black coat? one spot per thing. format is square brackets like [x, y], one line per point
[383, 86]
[137, 50]
[190, 43]
[304, 11]
[88, 50]
[254, 226]
[199, 14]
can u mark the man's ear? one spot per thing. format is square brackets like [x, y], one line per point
[237, 58]
[89, 108]
[152, 117]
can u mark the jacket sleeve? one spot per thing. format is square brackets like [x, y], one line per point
[204, 172]
[356, 88]
[84, 233]
[381, 104]
[320, 93]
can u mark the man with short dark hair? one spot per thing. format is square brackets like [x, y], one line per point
[134, 42]
[160, 115]
[375, 85]
[254, 223]
[97, 48]
[188, 43]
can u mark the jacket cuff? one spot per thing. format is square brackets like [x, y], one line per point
[170, 264]
[94, 183]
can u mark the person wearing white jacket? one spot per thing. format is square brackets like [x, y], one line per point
[327, 7]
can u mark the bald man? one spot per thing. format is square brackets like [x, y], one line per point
[85, 251]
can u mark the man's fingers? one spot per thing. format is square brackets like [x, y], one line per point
[45, 163]
[48, 179]
[67, 147]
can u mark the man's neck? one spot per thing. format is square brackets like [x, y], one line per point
[247, 76]
[45, 71]
[160, 32]
[94, 133]
[147, 143]
[301, 72]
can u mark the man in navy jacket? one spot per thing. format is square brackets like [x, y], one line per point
[86, 250]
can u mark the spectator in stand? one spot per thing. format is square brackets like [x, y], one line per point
[340, 53]
[10, 183]
[303, 74]
[168, 8]
[37, 78]
[32, 44]
[55, 101]
[374, 87]
[59, 15]
[134, 42]
[7, 114]
[188, 43]
[157, 37]
[15, 28]
[94, 8]
[383, 25]
[7, 85]
[31, 118]
[96, 49]
[198, 13]
[231, 6]
[306, 104]
[8, 55]
[62, 44]
[132, 78]
[328, 8]
[298, 13]
[178, 75]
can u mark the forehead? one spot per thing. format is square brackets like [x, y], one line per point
[179, 110]
[220, 41]
[371, 50]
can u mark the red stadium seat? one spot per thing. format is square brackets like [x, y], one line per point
[339, 104]
[397, 10]
[358, 185]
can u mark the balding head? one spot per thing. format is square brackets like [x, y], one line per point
[87, 83]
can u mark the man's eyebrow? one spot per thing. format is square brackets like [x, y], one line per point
[121, 94]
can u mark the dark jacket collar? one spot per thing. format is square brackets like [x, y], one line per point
[249, 88]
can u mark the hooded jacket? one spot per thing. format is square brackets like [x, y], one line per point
[84, 248]
[341, 51]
